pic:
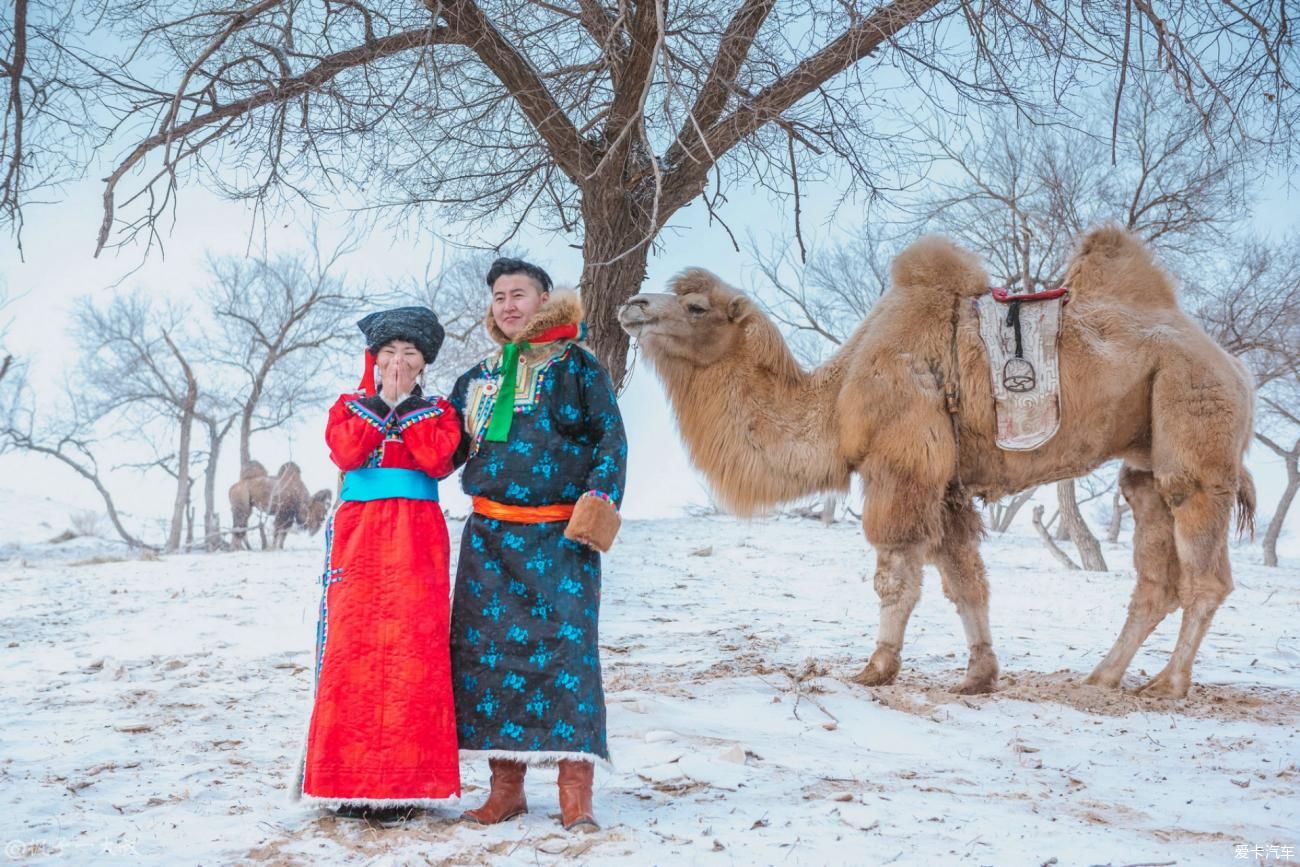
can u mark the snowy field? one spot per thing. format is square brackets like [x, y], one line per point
[153, 709]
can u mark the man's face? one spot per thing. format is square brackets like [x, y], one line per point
[515, 298]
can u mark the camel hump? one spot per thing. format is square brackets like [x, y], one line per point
[1112, 262]
[252, 470]
[935, 263]
[289, 470]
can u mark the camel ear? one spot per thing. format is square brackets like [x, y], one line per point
[738, 308]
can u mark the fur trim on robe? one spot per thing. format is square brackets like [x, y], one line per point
[594, 523]
[538, 758]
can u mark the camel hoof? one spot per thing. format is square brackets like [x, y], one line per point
[1162, 686]
[870, 676]
[976, 686]
[981, 673]
[880, 671]
[1098, 678]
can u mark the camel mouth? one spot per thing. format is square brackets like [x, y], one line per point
[633, 320]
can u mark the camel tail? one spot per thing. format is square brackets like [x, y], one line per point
[935, 263]
[1112, 263]
[1246, 505]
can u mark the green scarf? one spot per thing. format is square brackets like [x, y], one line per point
[503, 411]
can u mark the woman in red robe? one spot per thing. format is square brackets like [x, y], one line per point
[382, 737]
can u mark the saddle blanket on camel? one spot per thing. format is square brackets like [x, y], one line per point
[1021, 333]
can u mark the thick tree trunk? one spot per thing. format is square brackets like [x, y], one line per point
[1274, 530]
[614, 255]
[1072, 520]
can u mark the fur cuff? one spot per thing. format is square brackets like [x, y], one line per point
[595, 522]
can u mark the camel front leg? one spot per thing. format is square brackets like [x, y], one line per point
[898, 584]
[966, 585]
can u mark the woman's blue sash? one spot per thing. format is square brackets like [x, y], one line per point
[383, 483]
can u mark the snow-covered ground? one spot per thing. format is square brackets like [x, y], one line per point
[152, 711]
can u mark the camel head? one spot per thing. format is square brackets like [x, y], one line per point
[697, 323]
[318, 509]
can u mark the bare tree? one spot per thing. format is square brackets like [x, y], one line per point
[1046, 535]
[217, 420]
[605, 119]
[46, 129]
[1021, 195]
[135, 364]
[1290, 457]
[1000, 513]
[823, 296]
[277, 322]
[68, 436]
[1250, 303]
[1077, 529]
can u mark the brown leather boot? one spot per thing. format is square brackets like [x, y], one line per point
[506, 800]
[575, 796]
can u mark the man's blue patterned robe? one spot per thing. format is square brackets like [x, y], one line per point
[525, 617]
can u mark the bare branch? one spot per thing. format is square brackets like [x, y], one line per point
[277, 93]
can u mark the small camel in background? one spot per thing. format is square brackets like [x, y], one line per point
[283, 497]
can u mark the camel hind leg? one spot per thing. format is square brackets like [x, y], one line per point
[1155, 558]
[1201, 521]
[966, 585]
[1201, 423]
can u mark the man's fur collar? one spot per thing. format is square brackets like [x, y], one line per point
[562, 308]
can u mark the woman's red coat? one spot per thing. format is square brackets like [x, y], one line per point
[383, 727]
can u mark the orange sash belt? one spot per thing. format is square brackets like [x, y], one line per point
[522, 514]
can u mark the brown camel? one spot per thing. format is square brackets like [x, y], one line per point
[283, 497]
[1140, 381]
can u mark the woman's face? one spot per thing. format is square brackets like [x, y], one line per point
[399, 363]
[515, 298]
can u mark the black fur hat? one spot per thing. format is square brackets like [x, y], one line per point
[417, 325]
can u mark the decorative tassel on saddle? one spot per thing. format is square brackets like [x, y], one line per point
[1018, 373]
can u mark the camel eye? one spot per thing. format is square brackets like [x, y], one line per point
[697, 309]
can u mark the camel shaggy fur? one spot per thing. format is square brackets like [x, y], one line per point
[1141, 381]
[283, 497]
